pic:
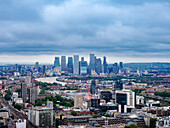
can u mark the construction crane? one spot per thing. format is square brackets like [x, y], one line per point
[89, 95]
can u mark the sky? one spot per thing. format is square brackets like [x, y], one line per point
[122, 30]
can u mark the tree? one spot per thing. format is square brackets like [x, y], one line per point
[17, 106]
[153, 123]
[7, 97]
[73, 113]
[95, 116]
[132, 126]
[107, 115]
[8, 92]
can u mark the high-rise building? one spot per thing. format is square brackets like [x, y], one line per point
[63, 63]
[105, 66]
[115, 68]
[98, 67]
[83, 67]
[92, 61]
[37, 65]
[70, 65]
[76, 65]
[121, 66]
[78, 101]
[24, 91]
[57, 62]
[42, 117]
[28, 80]
[44, 69]
[92, 88]
[33, 94]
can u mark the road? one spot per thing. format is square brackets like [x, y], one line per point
[18, 114]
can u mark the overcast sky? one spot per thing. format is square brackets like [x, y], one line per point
[123, 30]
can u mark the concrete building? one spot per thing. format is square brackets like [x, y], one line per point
[28, 80]
[78, 101]
[42, 117]
[33, 94]
[76, 65]
[126, 99]
[24, 91]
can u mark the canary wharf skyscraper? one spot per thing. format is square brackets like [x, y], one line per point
[76, 65]
[70, 65]
[57, 62]
[92, 61]
[63, 63]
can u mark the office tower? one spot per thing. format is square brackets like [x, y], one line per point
[42, 117]
[70, 65]
[98, 67]
[92, 88]
[106, 95]
[37, 65]
[49, 104]
[28, 80]
[105, 66]
[20, 69]
[44, 69]
[16, 67]
[24, 91]
[57, 62]
[121, 66]
[76, 65]
[115, 68]
[63, 63]
[92, 61]
[83, 67]
[126, 99]
[78, 101]
[33, 94]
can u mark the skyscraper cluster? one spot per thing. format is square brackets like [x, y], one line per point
[79, 66]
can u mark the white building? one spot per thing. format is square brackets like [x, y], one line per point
[125, 99]
[21, 123]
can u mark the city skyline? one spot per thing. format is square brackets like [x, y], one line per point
[131, 30]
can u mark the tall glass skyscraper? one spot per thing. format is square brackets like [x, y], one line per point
[70, 64]
[76, 65]
[98, 67]
[83, 67]
[63, 63]
[92, 61]
[57, 62]
[105, 65]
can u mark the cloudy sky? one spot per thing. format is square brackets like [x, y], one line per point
[123, 30]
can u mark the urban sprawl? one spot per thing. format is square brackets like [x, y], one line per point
[74, 93]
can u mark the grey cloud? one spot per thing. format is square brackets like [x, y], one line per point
[126, 29]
